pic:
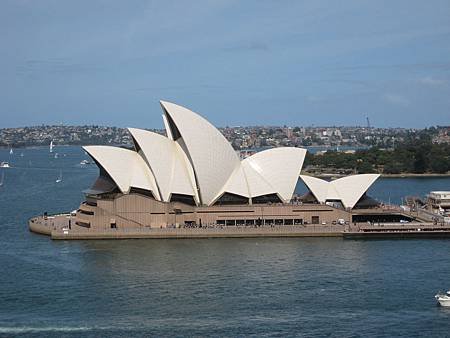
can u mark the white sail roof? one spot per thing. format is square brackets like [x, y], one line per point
[126, 168]
[272, 171]
[237, 184]
[347, 189]
[278, 168]
[351, 188]
[168, 163]
[319, 188]
[211, 155]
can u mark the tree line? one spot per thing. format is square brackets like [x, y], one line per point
[416, 154]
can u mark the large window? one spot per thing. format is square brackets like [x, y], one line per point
[228, 198]
[83, 224]
[271, 198]
[86, 212]
[140, 191]
[186, 199]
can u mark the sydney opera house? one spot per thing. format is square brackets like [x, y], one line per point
[193, 178]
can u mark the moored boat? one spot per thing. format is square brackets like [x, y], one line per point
[443, 298]
[59, 179]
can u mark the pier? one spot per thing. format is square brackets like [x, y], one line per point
[399, 231]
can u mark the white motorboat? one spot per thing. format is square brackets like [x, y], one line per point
[5, 165]
[443, 298]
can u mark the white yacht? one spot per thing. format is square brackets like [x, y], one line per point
[443, 298]
[59, 179]
[4, 165]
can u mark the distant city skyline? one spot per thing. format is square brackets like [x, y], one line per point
[236, 63]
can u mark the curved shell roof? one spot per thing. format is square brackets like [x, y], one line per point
[168, 163]
[318, 187]
[279, 168]
[211, 155]
[347, 189]
[272, 171]
[351, 188]
[126, 167]
[237, 184]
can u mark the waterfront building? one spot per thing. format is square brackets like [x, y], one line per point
[439, 201]
[193, 178]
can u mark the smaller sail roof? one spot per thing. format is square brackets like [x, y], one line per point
[126, 168]
[346, 189]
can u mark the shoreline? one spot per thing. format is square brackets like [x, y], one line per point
[409, 175]
[403, 175]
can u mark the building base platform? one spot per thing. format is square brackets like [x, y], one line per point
[62, 227]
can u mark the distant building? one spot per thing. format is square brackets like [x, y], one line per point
[439, 201]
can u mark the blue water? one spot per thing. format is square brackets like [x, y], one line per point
[218, 287]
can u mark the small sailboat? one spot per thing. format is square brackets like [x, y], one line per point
[21, 154]
[2, 180]
[56, 155]
[59, 179]
[11, 151]
[51, 146]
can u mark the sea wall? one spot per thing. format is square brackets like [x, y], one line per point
[217, 232]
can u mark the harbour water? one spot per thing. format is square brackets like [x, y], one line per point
[312, 287]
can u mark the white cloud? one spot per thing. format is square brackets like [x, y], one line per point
[430, 81]
[396, 99]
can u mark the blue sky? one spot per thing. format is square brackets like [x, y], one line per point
[235, 62]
